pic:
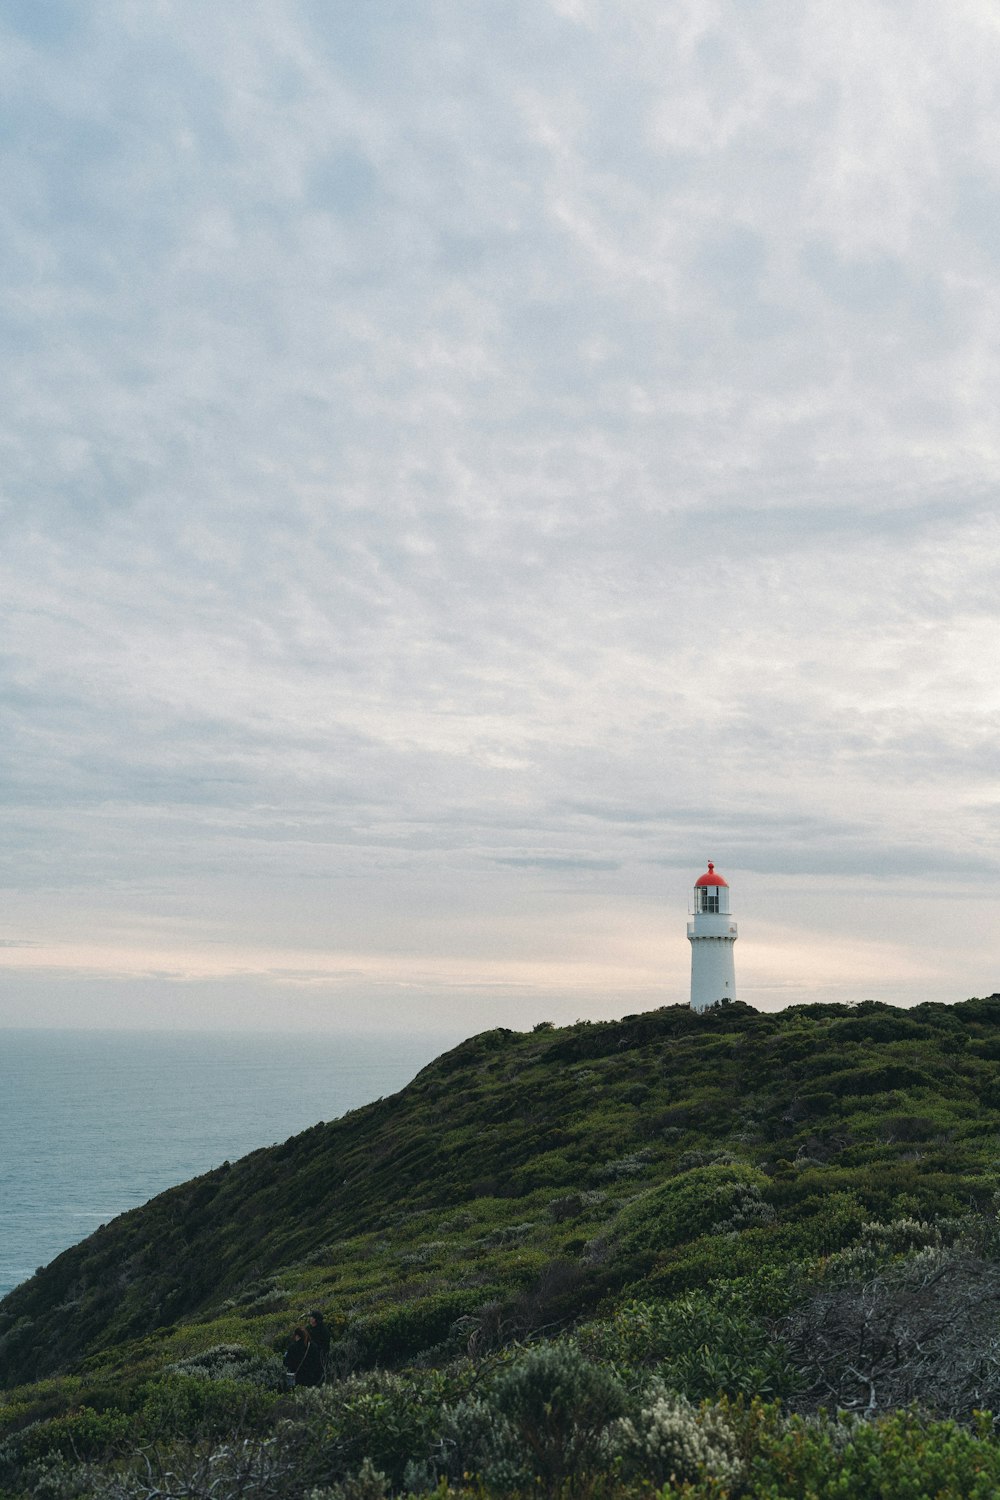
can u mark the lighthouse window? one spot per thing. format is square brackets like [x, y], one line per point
[709, 899]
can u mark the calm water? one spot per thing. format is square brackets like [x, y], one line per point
[93, 1123]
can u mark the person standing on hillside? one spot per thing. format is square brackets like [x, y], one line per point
[303, 1359]
[319, 1334]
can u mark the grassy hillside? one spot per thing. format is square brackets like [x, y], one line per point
[700, 1197]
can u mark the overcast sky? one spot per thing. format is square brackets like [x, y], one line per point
[464, 466]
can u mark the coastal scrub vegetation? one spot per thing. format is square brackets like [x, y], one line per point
[727, 1254]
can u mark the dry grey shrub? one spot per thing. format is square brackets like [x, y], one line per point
[251, 1469]
[921, 1329]
[672, 1439]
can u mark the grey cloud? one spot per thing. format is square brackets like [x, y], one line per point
[977, 211]
[872, 860]
[362, 42]
[345, 182]
[734, 258]
[876, 284]
[55, 25]
[707, 816]
[555, 862]
[429, 438]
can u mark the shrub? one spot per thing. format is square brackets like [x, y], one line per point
[237, 1468]
[689, 1205]
[198, 1405]
[899, 1457]
[921, 1329]
[81, 1434]
[673, 1440]
[474, 1439]
[366, 1484]
[410, 1327]
[57, 1478]
[234, 1362]
[388, 1418]
[568, 1207]
[557, 1406]
[701, 1345]
[626, 1166]
[902, 1235]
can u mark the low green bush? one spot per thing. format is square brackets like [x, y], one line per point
[200, 1405]
[689, 1205]
[557, 1406]
[80, 1434]
[898, 1457]
[701, 1344]
[388, 1418]
[407, 1328]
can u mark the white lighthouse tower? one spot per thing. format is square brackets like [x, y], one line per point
[711, 933]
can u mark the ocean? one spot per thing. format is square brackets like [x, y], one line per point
[95, 1122]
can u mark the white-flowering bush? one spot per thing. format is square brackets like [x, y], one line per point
[672, 1439]
[746, 1210]
[901, 1235]
[626, 1166]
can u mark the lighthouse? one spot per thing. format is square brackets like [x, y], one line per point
[711, 933]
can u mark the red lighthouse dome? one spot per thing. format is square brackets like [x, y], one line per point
[710, 878]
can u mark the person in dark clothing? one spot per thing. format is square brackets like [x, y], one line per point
[303, 1359]
[319, 1334]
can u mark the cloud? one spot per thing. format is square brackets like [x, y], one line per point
[554, 862]
[457, 467]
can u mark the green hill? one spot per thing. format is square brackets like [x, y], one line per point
[699, 1196]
